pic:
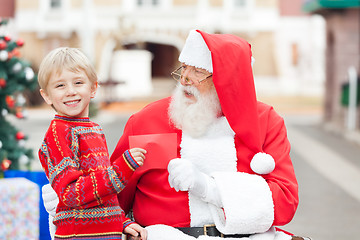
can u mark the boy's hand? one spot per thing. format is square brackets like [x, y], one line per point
[135, 232]
[138, 154]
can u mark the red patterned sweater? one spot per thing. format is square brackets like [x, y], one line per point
[75, 158]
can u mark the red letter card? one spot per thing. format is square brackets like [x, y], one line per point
[161, 148]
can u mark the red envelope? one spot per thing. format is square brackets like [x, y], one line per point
[161, 148]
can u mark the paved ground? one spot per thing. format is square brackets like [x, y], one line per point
[328, 172]
[327, 165]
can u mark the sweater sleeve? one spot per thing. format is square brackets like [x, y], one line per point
[75, 187]
[126, 197]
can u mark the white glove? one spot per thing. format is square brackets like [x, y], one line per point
[184, 176]
[50, 199]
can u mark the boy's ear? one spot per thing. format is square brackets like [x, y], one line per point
[45, 97]
[93, 89]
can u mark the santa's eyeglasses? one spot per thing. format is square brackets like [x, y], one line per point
[195, 75]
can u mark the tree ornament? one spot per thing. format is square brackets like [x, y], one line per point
[10, 101]
[10, 55]
[1, 144]
[5, 164]
[4, 112]
[2, 44]
[22, 143]
[17, 67]
[29, 73]
[4, 55]
[20, 42]
[7, 38]
[19, 112]
[14, 53]
[20, 135]
[25, 113]
[19, 115]
[23, 160]
[2, 83]
[20, 100]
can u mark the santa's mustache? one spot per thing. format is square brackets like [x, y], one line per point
[190, 90]
[193, 117]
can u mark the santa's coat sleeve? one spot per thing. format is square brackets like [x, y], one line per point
[252, 203]
[282, 180]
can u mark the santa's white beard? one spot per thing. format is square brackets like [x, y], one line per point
[194, 118]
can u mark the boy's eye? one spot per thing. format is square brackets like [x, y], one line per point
[78, 82]
[59, 85]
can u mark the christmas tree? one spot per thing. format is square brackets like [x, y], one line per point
[16, 76]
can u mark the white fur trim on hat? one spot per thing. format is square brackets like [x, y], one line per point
[262, 163]
[196, 53]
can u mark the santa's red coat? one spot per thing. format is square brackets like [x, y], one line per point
[152, 199]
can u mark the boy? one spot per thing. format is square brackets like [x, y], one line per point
[75, 157]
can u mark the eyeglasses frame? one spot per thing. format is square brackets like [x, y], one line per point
[174, 74]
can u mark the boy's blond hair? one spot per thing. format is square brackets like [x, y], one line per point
[71, 59]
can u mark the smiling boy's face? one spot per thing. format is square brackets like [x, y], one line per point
[69, 93]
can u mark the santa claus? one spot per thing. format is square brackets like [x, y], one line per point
[233, 176]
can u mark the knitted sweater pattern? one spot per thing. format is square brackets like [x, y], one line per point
[75, 158]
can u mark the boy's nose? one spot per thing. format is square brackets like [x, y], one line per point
[71, 90]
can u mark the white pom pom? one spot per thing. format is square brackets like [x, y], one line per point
[262, 163]
[17, 67]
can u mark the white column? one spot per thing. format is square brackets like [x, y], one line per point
[351, 121]
[87, 31]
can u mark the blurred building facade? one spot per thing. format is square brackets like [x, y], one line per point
[287, 44]
[342, 54]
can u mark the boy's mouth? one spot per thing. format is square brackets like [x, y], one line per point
[69, 103]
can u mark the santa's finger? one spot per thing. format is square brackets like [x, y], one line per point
[174, 183]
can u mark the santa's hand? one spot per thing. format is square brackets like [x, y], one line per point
[183, 176]
[50, 199]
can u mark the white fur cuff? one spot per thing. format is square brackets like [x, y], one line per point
[248, 205]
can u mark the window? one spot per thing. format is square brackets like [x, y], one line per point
[148, 3]
[55, 4]
[240, 3]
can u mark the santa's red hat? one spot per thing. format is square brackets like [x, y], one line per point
[229, 58]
